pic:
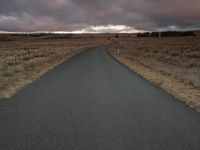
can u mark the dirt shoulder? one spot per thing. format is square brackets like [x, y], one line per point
[25, 59]
[164, 74]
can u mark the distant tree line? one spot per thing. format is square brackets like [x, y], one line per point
[166, 34]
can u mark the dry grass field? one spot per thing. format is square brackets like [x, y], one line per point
[25, 58]
[171, 63]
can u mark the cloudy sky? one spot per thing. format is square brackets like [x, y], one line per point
[98, 15]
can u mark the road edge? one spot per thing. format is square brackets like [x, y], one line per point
[129, 65]
[12, 91]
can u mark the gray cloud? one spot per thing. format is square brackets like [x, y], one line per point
[70, 15]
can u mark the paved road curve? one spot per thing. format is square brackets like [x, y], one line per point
[91, 102]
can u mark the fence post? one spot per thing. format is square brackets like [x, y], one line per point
[118, 52]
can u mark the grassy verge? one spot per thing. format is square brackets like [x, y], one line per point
[25, 59]
[156, 61]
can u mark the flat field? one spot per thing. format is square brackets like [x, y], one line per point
[171, 63]
[24, 58]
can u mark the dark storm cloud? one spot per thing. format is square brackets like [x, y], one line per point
[70, 15]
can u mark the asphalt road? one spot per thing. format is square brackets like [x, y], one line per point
[91, 102]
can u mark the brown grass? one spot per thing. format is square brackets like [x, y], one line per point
[171, 63]
[25, 58]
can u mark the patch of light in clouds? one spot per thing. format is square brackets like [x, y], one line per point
[108, 29]
[4, 18]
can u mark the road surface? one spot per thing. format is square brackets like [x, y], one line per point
[91, 102]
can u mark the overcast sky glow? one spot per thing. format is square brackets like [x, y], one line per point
[99, 16]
